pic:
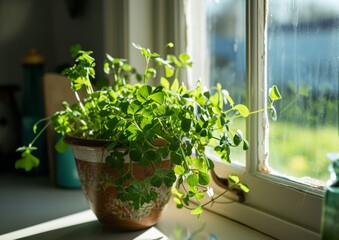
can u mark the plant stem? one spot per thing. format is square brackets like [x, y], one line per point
[251, 113]
[184, 155]
[146, 69]
[213, 199]
[41, 131]
[79, 100]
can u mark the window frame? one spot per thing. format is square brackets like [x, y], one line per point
[275, 205]
[289, 212]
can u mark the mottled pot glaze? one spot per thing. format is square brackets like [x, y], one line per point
[97, 180]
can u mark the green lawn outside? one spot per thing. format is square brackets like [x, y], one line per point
[301, 151]
[296, 150]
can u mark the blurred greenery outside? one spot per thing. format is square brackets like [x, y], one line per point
[305, 132]
[296, 150]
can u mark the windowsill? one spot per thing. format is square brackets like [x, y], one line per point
[30, 205]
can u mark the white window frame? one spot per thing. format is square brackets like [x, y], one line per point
[275, 205]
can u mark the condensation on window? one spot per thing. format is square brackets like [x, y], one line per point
[303, 61]
[226, 46]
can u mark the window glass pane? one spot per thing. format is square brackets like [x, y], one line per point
[225, 31]
[303, 61]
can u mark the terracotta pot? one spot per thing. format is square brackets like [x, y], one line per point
[96, 179]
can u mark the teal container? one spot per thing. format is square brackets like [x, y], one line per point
[33, 107]
[33, 69]
[330, 211]
[66, 172]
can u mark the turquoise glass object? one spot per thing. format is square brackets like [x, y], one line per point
[330, 211]
[33, 107]
[66, 172]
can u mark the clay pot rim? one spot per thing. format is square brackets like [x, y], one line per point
[98, 143]
[79, 141]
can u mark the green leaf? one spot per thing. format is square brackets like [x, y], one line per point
[134, 132]
[146, 124]
[238, 137]
[274, 93]
[192, 180]
[210, 164]
[176, 158]
[27, 161]
[174, 145]
[135, 155]
[112, 123]
[151, 155]
[175, 85]
[132, 193]
[244, 187]
[185, 58]
[143, 93]
[226, 157]
[215, 100]
[144, 161]
[133, 107]
[35, 127]
[169, 71]
[176, 192]
[169, 178]
[116, 160]
[164, 82]
[182, 89]
[170, 45]
[233, 178]
[245, 145]
[203, 133]
[197, 211]
[173, 59]
[145, 52]
[198, 128]
[158, 97]
[178, 202]
[199, 195]
[228, 97]
[61, 146]
[107, 68]
[204, 178]
[126, 67]
[151, 72]
[75, 49]
[156, 181]
[186, 124]
[179, 170]
[242, 109]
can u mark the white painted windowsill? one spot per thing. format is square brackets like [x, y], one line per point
[173, 224]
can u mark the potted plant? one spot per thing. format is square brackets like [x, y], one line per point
[133, 142]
